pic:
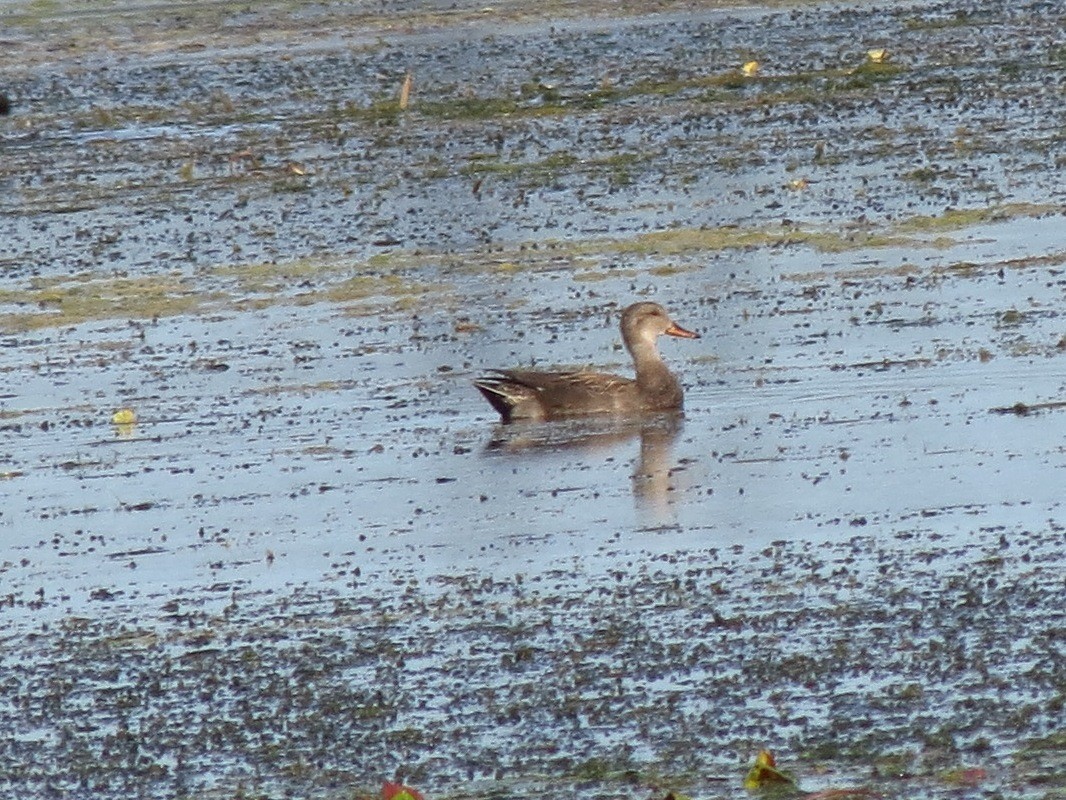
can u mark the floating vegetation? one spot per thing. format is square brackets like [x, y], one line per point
[70, 301]
[57, 302]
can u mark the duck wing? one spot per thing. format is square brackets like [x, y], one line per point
[532, 394]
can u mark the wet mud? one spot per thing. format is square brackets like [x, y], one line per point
[310, 559]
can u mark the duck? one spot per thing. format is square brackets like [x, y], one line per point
[520, 394]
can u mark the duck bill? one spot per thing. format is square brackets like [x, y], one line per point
[677, 330]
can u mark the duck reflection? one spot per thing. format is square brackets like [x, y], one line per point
[654, 473]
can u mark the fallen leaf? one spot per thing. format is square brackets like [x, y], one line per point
[124, 416]
[765, 773]
[397, 791]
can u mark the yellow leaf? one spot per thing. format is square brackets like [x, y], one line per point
[765, 773]
[124, 416]
[397, 791]
[750, 68]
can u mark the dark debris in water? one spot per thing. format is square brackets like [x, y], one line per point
[520, 131]
[883, 663]
[1025, 409]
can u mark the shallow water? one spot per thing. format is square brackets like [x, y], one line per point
[316, 561]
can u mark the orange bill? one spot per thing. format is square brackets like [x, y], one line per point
[677, 330]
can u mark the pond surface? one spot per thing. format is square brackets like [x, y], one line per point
[316, 561]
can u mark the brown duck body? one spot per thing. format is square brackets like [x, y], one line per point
[534, 395]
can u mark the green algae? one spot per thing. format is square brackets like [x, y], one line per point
[682, 240]
[728, 237]
[363, 287]
[60, 302]
[387, 281]
[954, 219]
[723, 87]
[271, 278]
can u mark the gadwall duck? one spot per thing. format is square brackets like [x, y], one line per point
[528, 394]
